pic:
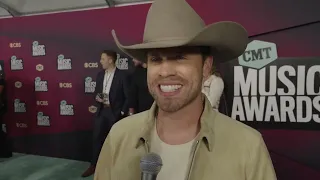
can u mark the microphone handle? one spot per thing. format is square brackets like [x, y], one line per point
[148, 176]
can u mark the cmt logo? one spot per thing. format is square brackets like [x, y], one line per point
[19, 106]
[16, 63]
[91, 65]
[65, 85]
[40, 85]
[122, 62]
[15, 45]
[42, 103]
[66, 109]
[42, 119]
[38, 49]
[258, 54]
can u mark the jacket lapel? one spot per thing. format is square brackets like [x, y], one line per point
[114, 85]
[100, 82]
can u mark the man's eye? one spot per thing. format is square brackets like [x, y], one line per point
[179, 57]
[155, 59]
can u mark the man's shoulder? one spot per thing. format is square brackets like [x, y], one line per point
[234, 129]
[131, 125]
[121, 71]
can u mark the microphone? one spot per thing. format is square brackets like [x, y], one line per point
[150, 166]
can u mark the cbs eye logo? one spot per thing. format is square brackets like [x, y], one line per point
[91, 65]
[42, 103]
[15, 45]
[65, 85]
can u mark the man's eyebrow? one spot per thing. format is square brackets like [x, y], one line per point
[152, 53]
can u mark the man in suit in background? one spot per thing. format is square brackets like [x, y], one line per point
[139, 98]
[111, 96]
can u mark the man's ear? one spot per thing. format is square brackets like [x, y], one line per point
[207, 66]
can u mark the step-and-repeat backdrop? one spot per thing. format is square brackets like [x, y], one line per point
[51, 62]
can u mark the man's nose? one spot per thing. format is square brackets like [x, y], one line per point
[167, 68]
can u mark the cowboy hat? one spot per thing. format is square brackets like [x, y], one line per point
[173, 23]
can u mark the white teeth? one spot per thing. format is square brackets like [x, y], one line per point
[169, 88]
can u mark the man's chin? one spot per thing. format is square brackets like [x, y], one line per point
[169, 110]
[173, 104]
[169, 107]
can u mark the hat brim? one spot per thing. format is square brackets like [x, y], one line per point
[228, 40]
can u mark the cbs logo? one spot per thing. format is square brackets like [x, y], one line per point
[21, 125]
[91, 65]
[65, 85]
[15, 45]
[42, 103]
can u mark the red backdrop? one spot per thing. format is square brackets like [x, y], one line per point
[80, 36]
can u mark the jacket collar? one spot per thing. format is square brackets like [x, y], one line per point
[206, 133]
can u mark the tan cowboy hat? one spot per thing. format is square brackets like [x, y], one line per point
[173, 23]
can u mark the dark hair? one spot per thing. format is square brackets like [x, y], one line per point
[111, 54]
[215, 69]
[205, 51]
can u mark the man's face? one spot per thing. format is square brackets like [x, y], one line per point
[175, 77]
[105, 61]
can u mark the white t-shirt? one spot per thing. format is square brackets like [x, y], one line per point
[107, 81]
[175, 158]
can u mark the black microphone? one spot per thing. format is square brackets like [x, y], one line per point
[150, 166]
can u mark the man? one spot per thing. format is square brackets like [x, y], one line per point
[111, 96]
[139, 98]
[194, 141]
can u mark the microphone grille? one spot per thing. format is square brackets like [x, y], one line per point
[151, 163]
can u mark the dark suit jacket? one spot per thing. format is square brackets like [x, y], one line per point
[118, 95]
[139, 98]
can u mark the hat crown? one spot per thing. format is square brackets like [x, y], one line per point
[171, 19]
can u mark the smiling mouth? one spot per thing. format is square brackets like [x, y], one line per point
[169, 88]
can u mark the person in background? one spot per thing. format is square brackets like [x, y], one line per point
[111, 95]
[213, 87]
[139, 96]
[5, 148]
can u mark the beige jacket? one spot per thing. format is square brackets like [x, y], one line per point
[225, 149]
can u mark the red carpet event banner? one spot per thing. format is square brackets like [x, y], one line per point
[46, 95]
[51, 63]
